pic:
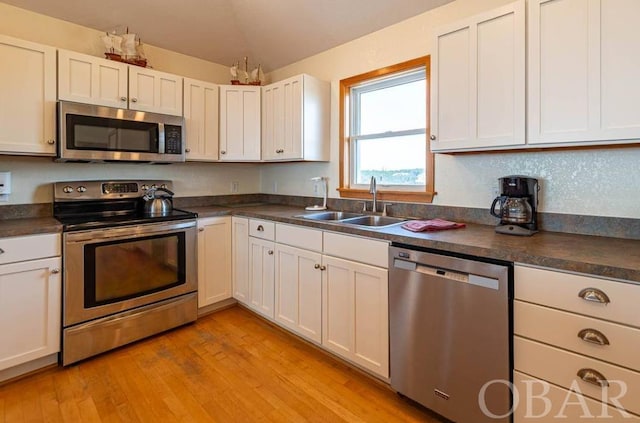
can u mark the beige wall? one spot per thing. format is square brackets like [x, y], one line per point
[594, 182]
[32, 176]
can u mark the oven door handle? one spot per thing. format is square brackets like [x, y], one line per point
[129, 232]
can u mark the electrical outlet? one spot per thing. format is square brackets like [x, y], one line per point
[235, 186]
[315, 189]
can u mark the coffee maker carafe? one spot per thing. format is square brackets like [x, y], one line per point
[517, 205]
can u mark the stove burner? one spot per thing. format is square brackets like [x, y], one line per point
[86, 205]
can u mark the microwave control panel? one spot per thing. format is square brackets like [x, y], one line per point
[172, 139]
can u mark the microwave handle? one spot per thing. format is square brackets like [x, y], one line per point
[161, 138]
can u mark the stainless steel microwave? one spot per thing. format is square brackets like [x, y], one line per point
[103, 134]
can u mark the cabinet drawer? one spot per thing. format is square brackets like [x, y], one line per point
[562, 290]
[309, 239]
[21, 248]
[562, 404]
[364, 250]
[566, 331]
[562, 367]
[262, 229]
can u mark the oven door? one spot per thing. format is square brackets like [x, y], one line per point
[110, 270]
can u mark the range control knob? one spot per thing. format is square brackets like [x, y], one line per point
[144, 187]
[67, 189]
[164, 186]
[154, 186]
[81, 188]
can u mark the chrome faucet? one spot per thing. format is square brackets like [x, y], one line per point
[373, 190]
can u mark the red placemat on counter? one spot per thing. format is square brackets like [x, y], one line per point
[431, 225]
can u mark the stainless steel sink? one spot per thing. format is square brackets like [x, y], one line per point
[375, 221]
[330, 215]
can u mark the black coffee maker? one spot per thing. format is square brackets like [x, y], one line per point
[517, 205]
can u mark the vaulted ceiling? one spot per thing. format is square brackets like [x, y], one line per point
[274, 33]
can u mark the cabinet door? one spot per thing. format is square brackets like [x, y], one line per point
[355, 313]
[201, 120]
[29, 310]
[282, 113]
[27, 98]
[154, 91]
[583, 81]
[298, 291]
[93, 80]
[214, 260]
[261, 276]
[239, 123]
[240, 258]
[478, 94]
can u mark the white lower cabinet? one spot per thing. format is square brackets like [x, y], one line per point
[355, 313]
[261, 276]
[576, 340]
[30, 301]
[214, 260]
[240, 258]
[298, 298]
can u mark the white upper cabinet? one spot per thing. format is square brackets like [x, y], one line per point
[93, 80]
[27, 98]
[89, 79]
[478, 81]
[295, 119]
[201, 120]
[155, 91]
[239, 123]
[584, 64]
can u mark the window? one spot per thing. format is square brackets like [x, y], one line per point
[384, 127]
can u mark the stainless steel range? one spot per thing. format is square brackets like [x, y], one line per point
[127, 275]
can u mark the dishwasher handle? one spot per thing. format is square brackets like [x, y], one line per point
[453, 275]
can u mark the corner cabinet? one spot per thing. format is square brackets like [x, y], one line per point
[93, 80]
[28, 92]
[478, 81]
[214, 260]
[583, 71]
[30, 301]
[201, 120]
[295, 119]
[239, 123]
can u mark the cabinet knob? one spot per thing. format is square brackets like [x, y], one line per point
[187, 150]
[316, 266]
[593, 336]
[1, 251]
[200, 229]
[51, 142]
[594, 295]
[260, 228]
[123, 98]
[323, 267]
[432, 137]
[134, 100]
[55, 271]
[593, 377]
[270, 252]
[223, 152]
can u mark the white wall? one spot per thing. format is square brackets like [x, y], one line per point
[32, 176]
[602, 182]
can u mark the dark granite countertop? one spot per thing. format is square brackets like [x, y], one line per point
[609, 257]
[28, 226]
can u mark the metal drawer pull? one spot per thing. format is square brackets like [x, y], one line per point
[260, 228]
[594, 295]
[593, 336]
[55, 271]
[593, 377]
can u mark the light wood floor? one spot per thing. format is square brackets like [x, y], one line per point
[227, 367]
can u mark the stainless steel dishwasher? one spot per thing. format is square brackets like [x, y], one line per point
[450, 334]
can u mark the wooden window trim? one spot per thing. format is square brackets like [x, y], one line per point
[345, 189]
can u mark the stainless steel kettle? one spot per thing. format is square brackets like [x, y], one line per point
[158, 205]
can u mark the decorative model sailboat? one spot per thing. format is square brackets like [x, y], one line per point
[255, 78]
[124, 48]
